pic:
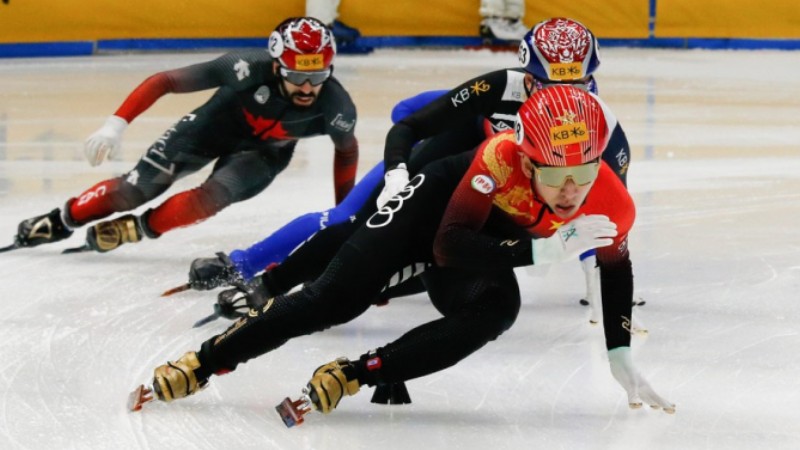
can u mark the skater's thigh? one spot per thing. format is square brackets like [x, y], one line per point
[246, 174]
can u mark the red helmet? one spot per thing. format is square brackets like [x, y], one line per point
[559, 49]
[302, 44]
[562, 125]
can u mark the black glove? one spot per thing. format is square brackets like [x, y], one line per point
[209, 273]
[235, 303]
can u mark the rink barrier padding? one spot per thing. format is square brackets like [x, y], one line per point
[58, 28]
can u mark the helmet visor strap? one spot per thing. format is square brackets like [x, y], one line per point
[299, 77]
[556, 176]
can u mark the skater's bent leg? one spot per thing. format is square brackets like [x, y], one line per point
[235, 178]
[478, 311]
[277, 246]
[188, 207]
[108, 197]
[309, 260]
[155, 172]
[341, 294]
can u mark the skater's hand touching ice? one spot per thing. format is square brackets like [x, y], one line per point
[634, 383]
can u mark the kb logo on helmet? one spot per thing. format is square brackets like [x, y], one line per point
[570, 133]
[309, 62]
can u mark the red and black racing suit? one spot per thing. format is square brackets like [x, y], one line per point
[470, 241]
[247, 126]
[455, 122]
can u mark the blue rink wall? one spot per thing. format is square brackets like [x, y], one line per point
[58, 28]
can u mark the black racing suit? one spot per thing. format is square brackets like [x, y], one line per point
[477, 305]
[455, 122]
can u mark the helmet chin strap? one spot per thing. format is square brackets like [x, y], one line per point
[281, 87]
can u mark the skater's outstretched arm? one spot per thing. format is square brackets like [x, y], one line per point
[105, 142]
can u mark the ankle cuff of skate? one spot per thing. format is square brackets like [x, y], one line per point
[66, 217]
[367, 369]
[143, 224]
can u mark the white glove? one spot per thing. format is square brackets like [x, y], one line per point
[635, 385]
[394, 181]
[574, 238]
[105, 142]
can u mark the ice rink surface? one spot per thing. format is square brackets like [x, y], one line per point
[716, 178]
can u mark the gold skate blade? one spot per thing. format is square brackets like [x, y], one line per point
[292, 412]
[139, 397]
[176, 289]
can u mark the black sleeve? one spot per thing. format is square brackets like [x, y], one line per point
[618, 154]
[340, 114]
[616, 287]
[468, 101]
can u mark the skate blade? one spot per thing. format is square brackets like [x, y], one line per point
[292, 412]
[205, 320]
[139, 397]
[176, 289]
[8, 248]
[82, 249]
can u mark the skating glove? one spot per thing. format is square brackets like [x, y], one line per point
[105, 142]
[394, 181]
[235, 303]
[574, 238]
[635, 385]
[210, 273]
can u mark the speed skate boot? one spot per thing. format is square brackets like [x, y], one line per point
[106, 236]
[42, 229]
[328, 385]
[173, 380]
[177, 379]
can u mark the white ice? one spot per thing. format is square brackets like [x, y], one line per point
[716, 178]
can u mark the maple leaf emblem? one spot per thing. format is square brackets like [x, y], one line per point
[266, 128]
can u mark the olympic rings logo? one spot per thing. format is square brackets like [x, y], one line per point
[386, 213]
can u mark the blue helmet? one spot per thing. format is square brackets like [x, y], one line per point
[559, 50]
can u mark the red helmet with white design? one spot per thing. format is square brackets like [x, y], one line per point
[562, 125]
[303, 44]
[559, 49]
